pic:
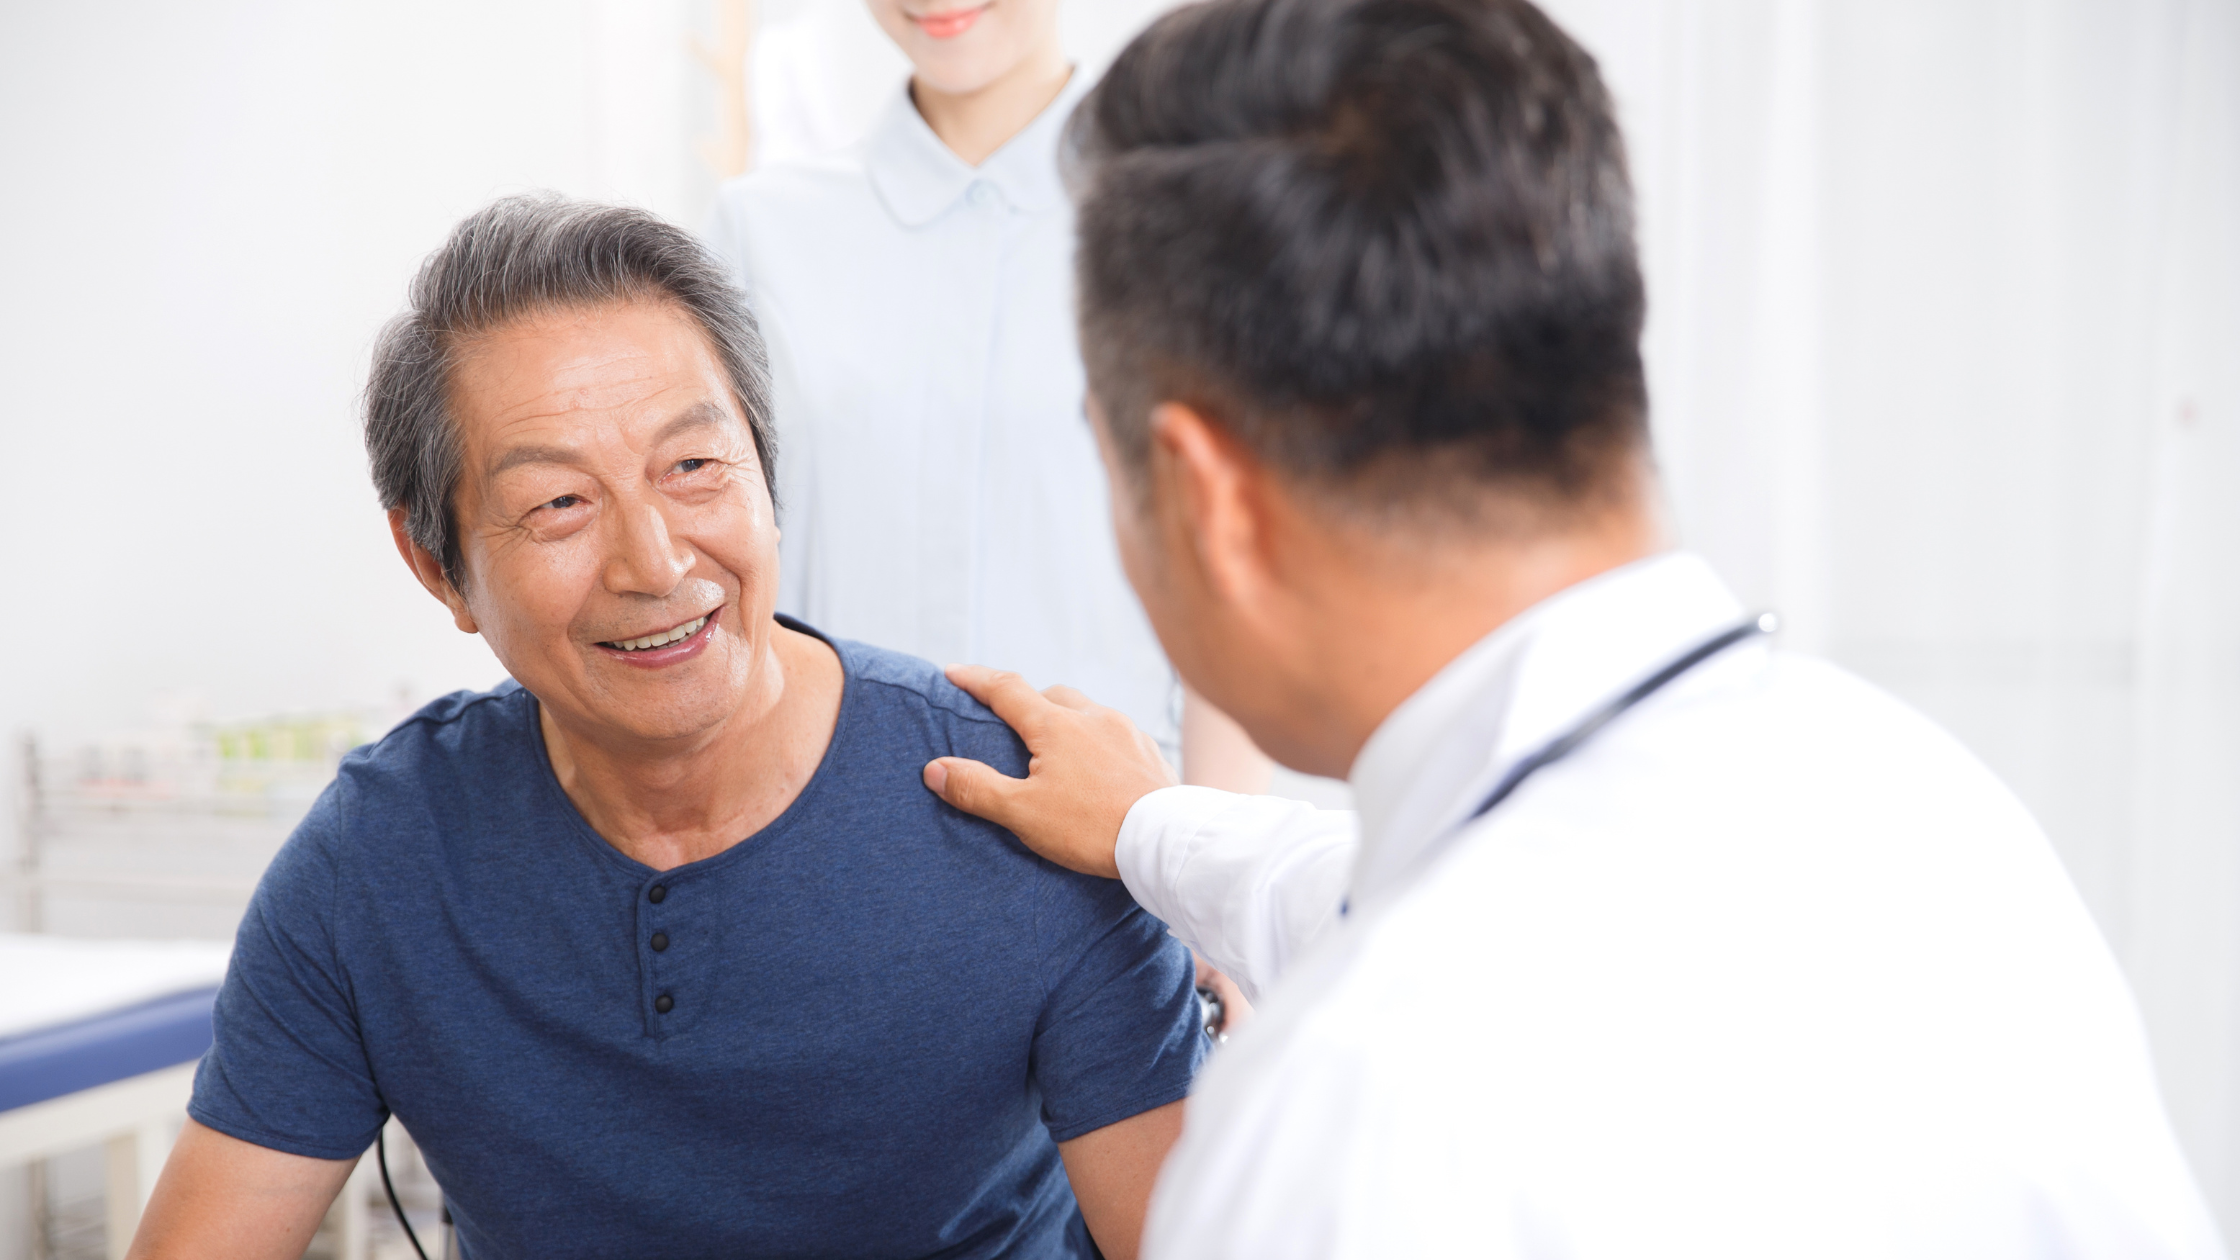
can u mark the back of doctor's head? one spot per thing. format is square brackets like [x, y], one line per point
[1386, 244]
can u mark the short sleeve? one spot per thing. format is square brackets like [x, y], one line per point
[1120, 1032]
[287, 1066]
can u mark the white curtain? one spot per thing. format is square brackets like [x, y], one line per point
[1945, 354]
[2183, 941]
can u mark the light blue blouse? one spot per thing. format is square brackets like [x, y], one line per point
[941, 491]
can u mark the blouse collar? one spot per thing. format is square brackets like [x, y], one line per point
[919, 178]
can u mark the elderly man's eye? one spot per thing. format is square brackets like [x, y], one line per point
[565, 502]
[695, 464]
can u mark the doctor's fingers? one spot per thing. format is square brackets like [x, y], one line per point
[1067, 698]
[1085, 723]
[977, 788]
[1020, 706]
[1054, 821]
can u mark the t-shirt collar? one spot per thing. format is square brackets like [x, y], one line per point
[918, 177]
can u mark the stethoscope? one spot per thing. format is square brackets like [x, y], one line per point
[1592, 724]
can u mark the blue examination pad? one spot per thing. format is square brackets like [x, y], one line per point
[112, 1046]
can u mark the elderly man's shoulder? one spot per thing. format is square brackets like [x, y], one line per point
[461, 727]
[466, 769]
[917, 702]
[456, 752]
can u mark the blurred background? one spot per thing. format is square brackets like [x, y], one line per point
[1944, 351]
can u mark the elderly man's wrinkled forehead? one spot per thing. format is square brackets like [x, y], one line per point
[640, 371]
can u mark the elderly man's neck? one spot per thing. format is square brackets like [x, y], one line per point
[667, 803]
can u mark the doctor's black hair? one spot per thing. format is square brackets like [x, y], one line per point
[1387, 245]
[522, 256]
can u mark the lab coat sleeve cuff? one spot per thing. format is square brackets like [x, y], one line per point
[1246, 881]
[1156, 840]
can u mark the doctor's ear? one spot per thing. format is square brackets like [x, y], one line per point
[430, 572]
[1215, 492]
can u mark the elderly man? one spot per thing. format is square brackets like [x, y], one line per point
[660, 949]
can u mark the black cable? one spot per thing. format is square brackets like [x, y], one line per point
[381, 1156]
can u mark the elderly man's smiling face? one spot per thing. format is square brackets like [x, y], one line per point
[615, 524]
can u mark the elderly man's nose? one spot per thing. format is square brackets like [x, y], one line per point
[647, 559]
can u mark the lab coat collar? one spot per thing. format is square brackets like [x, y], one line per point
[919, 177]
[1436, 756]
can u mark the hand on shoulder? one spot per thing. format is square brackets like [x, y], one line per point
[1088, 767]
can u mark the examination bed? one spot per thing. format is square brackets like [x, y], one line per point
[98, 1045]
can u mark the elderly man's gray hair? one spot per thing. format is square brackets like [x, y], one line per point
[525, 256]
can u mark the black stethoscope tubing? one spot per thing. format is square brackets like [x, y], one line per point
[1588, 727]
[1591, 725]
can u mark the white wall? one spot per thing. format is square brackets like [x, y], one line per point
[210, 209]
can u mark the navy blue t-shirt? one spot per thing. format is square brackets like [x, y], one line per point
[858, 1032]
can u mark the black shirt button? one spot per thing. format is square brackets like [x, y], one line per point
[660, 941]
[656, 893]
[664, 1004]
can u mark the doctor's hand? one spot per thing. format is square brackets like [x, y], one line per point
[1088, 766]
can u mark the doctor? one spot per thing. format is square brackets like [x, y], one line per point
[1745, 959]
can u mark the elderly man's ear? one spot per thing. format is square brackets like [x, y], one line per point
[430, 572]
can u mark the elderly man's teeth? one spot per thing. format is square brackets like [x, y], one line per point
[663, 639]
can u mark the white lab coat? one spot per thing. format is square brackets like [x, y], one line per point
[1770, 968]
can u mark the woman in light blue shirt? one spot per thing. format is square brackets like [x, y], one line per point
[941, 490]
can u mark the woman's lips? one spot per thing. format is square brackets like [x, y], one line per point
[950, 24]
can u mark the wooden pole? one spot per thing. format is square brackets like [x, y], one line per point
[728, 152]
